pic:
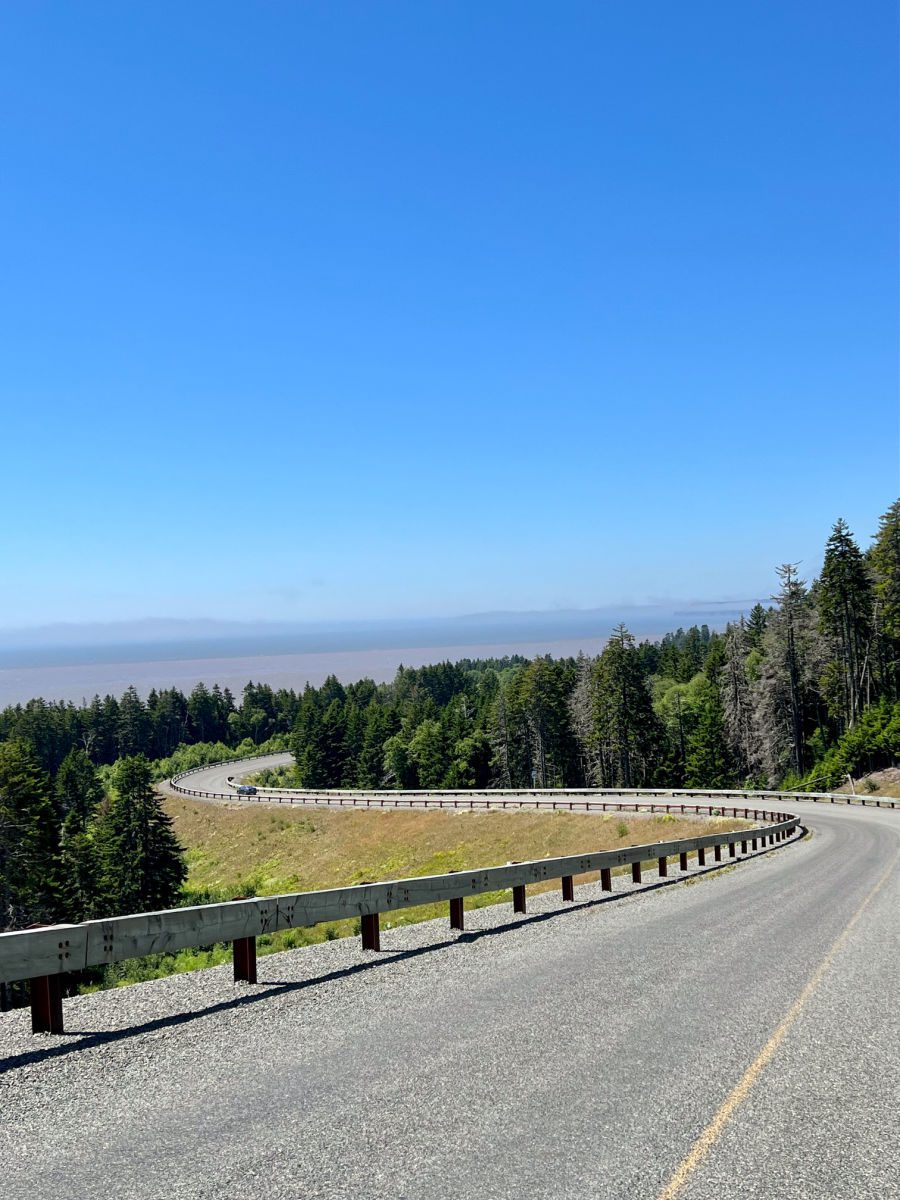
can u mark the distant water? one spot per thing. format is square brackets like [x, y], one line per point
[78, 662]
[81, 681]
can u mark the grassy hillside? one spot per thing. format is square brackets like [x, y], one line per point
[237, 850]
[240, 850]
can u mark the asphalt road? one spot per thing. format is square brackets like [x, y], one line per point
[574, 1052]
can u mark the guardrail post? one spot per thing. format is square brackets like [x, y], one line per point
[732, 849]
[663, 864]
[682, 860]
[568, 887]
[606, 879]
[753, 843]
[244, 954]
[701, 857]
[457, 920]
[519, 898]
[46, 1004]
[371, 931]
[635, 872]
[744, 846]
[717, 852]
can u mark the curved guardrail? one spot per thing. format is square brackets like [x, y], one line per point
[571, 799]
[45, 955]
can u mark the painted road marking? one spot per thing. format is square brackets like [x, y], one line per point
[715, 1128]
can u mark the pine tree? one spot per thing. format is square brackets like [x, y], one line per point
[141, 863]
[845, 617]
[737, 705]
[709, 762]
[625, 725]
[79, 794]
[78, 790]
[29, 840]
[884, 557]
[756, 626]
[783, 693]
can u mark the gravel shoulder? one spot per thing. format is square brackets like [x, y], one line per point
[577, 1051]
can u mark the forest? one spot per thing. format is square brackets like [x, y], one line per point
[801, 693]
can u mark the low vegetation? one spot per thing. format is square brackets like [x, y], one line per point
[234, 851]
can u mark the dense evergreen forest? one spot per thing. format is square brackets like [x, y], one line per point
[801, 692]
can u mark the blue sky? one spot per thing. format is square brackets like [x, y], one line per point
[335, 310]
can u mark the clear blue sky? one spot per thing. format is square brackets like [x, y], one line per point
[368, 309]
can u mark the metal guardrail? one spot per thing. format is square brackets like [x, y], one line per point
[556, 798]
[45, 955]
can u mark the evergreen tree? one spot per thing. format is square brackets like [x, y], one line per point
[756, 626]
[737, 704]
[625, 726]
[141, 863]
[844, 598]
[708, 761]
[29, 840]
[783, 694]
[79, 793]
[78, 790]
[885, 561]
[133, 734]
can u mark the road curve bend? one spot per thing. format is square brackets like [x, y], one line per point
[735, 1036]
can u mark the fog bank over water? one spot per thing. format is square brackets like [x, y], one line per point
[76, 662]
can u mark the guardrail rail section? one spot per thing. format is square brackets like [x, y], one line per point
[44, 956]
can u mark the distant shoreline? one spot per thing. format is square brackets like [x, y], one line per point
[81, 681]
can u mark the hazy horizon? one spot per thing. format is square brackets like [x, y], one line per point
[290, 655]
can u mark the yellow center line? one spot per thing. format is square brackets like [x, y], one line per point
[714, 1129]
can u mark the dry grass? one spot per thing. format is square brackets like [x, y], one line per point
[237, 850]
[879, 783]
[297, 850]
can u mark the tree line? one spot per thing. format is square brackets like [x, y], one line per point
[800, 691]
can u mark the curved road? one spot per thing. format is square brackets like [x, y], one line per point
[735, 1036]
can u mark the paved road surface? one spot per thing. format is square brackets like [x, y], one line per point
[578, 1052]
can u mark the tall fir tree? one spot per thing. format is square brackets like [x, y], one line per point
[625, 726]
[29, 840]
[844, 597]
[141, 863]
[884, 557]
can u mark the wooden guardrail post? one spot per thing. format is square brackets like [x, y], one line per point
[244, 955]
[635, 872]
[46, 1004]
[371, 932]
[606, 879]
[663, 864]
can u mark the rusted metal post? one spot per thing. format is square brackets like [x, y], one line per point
[717, 852]
[519, 898]
[568, 887]
[244, 955]
[701, 857]
[682, 860]
[46, 1004]
[663, 865]
[606, 879]
[457, 920]
[636, 872]
[732, 850]
[371, 932]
